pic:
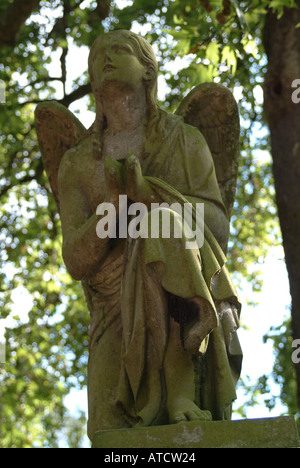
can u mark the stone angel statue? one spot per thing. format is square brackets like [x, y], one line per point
[163, 343]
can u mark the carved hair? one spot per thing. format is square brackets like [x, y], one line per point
[144, 52]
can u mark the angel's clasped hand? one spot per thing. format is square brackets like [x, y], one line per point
[127, 178]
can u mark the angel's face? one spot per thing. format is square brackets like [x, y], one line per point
[115, 61]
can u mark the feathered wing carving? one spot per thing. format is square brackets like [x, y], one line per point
[58, 130]
[211, 108]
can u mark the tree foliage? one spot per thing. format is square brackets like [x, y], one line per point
[221, 40]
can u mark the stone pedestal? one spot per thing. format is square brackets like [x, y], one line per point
[278, 432]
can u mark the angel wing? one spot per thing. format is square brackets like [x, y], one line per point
[57, 130]
[212, 108]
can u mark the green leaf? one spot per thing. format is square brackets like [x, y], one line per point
[228, 56]
[213, 52]
[279, 6]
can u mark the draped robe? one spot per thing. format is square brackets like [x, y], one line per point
[130, 312]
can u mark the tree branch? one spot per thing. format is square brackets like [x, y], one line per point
[13, 19]
[41, 79]
[28, 178]
[76, 94]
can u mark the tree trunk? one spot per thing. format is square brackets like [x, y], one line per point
[282, 46]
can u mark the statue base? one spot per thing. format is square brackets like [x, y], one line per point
[280, 432]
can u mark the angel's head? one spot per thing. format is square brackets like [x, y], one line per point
[123, 55]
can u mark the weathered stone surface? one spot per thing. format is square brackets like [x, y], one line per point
[163, 344]
[278, 432]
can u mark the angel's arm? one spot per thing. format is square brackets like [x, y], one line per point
[82, 250]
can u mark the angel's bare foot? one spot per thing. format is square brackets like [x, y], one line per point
[183, 409]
